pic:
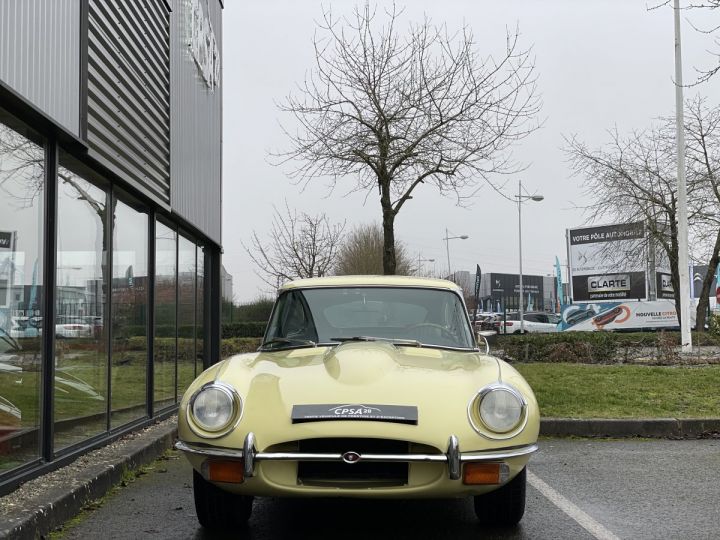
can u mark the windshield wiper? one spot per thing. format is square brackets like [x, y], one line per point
[396, 341]
[288, 342]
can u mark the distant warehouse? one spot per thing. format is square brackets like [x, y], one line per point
[110, 219]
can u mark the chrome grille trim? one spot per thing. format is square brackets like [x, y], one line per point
[453, 458]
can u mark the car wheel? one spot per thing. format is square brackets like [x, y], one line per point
[505, 506]
[218, 509]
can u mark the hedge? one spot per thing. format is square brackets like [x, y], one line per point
[243, 329]
[595, 347]
[228, 330]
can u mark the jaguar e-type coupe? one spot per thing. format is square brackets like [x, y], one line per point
[363, 386]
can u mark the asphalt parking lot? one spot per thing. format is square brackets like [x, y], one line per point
[577, 489]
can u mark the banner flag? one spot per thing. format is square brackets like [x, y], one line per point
[717, 286]
[558, 286]
[478, 277]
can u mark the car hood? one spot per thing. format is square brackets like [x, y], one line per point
[357, 369]
[439, 383]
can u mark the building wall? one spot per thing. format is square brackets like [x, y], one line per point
[196, 116]
[89, 243]
[128, 92]
[504, 288]
[46, 72]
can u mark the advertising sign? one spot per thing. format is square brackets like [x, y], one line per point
[6, 266]
[6, 240]
[607, 262]
[621, 316]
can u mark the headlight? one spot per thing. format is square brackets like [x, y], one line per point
[214, 408]
[501, 408]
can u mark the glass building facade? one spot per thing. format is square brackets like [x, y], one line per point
[109, 229]
[112, 365]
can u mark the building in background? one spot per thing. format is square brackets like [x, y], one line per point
[110, 219]
[226, 284]
[501, 291]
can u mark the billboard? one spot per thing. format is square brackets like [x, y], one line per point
[607, 262]
[7, 247]
[621, 316]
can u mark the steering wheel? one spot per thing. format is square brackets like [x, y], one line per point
[442, 331]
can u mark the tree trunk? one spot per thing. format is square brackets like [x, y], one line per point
[675, 265]
[708, 282]
[389, 262]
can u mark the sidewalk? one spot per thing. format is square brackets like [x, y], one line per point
[41, 505]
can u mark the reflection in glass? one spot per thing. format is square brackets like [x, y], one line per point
[129, 315]
[199, 317]
[187, 270]
[80, 345]
[165, 317]
[21, 294]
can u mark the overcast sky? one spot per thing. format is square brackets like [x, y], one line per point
[601, 65]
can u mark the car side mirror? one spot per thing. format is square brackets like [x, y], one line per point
[483, 337]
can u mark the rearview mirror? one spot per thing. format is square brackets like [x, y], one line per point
[483, 336]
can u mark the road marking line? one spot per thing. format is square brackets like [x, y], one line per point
[580, 517]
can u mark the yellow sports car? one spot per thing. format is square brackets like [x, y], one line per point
[363, 386]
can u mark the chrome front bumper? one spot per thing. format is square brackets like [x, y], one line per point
[453, 457]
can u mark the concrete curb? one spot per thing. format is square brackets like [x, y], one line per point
[35, 516]
[662, 428]
[46, 508]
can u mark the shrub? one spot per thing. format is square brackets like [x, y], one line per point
[231, 346]
[243, 329]
[596, 347]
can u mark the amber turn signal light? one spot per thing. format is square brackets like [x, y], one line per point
[225, 471]
[484, 473]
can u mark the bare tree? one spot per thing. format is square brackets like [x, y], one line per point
[394, 111]
[300, 246]
[711, 29]
[702, 126]
[635, 179]
[361, 253]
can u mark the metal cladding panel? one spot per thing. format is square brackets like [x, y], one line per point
[128, 94]
[40, 56]
[196, 116]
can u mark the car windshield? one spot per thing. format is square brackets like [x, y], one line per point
[402, 315]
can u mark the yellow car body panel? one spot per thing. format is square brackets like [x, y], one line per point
[442, 383]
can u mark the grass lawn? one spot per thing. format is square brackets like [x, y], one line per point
[607, 391]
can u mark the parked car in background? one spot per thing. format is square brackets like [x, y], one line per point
[363, 387]
[486, 321]
[96, 323]
[533, 322]
[25, 327]
[480, 321]
[73, 327]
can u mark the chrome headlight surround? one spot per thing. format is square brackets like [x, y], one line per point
[483, 426]
[234, 413]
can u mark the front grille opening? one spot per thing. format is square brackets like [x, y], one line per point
[359, 474]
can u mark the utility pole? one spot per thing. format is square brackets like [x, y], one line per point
[684, 307]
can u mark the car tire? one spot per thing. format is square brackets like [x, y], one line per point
[505, 506]
[217, 509]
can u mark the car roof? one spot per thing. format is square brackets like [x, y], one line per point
[371, 281]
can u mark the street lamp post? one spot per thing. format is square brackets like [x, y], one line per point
[421, 260]
[520, 198]
[447, 247]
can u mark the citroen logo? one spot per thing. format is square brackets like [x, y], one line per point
[351, 457]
